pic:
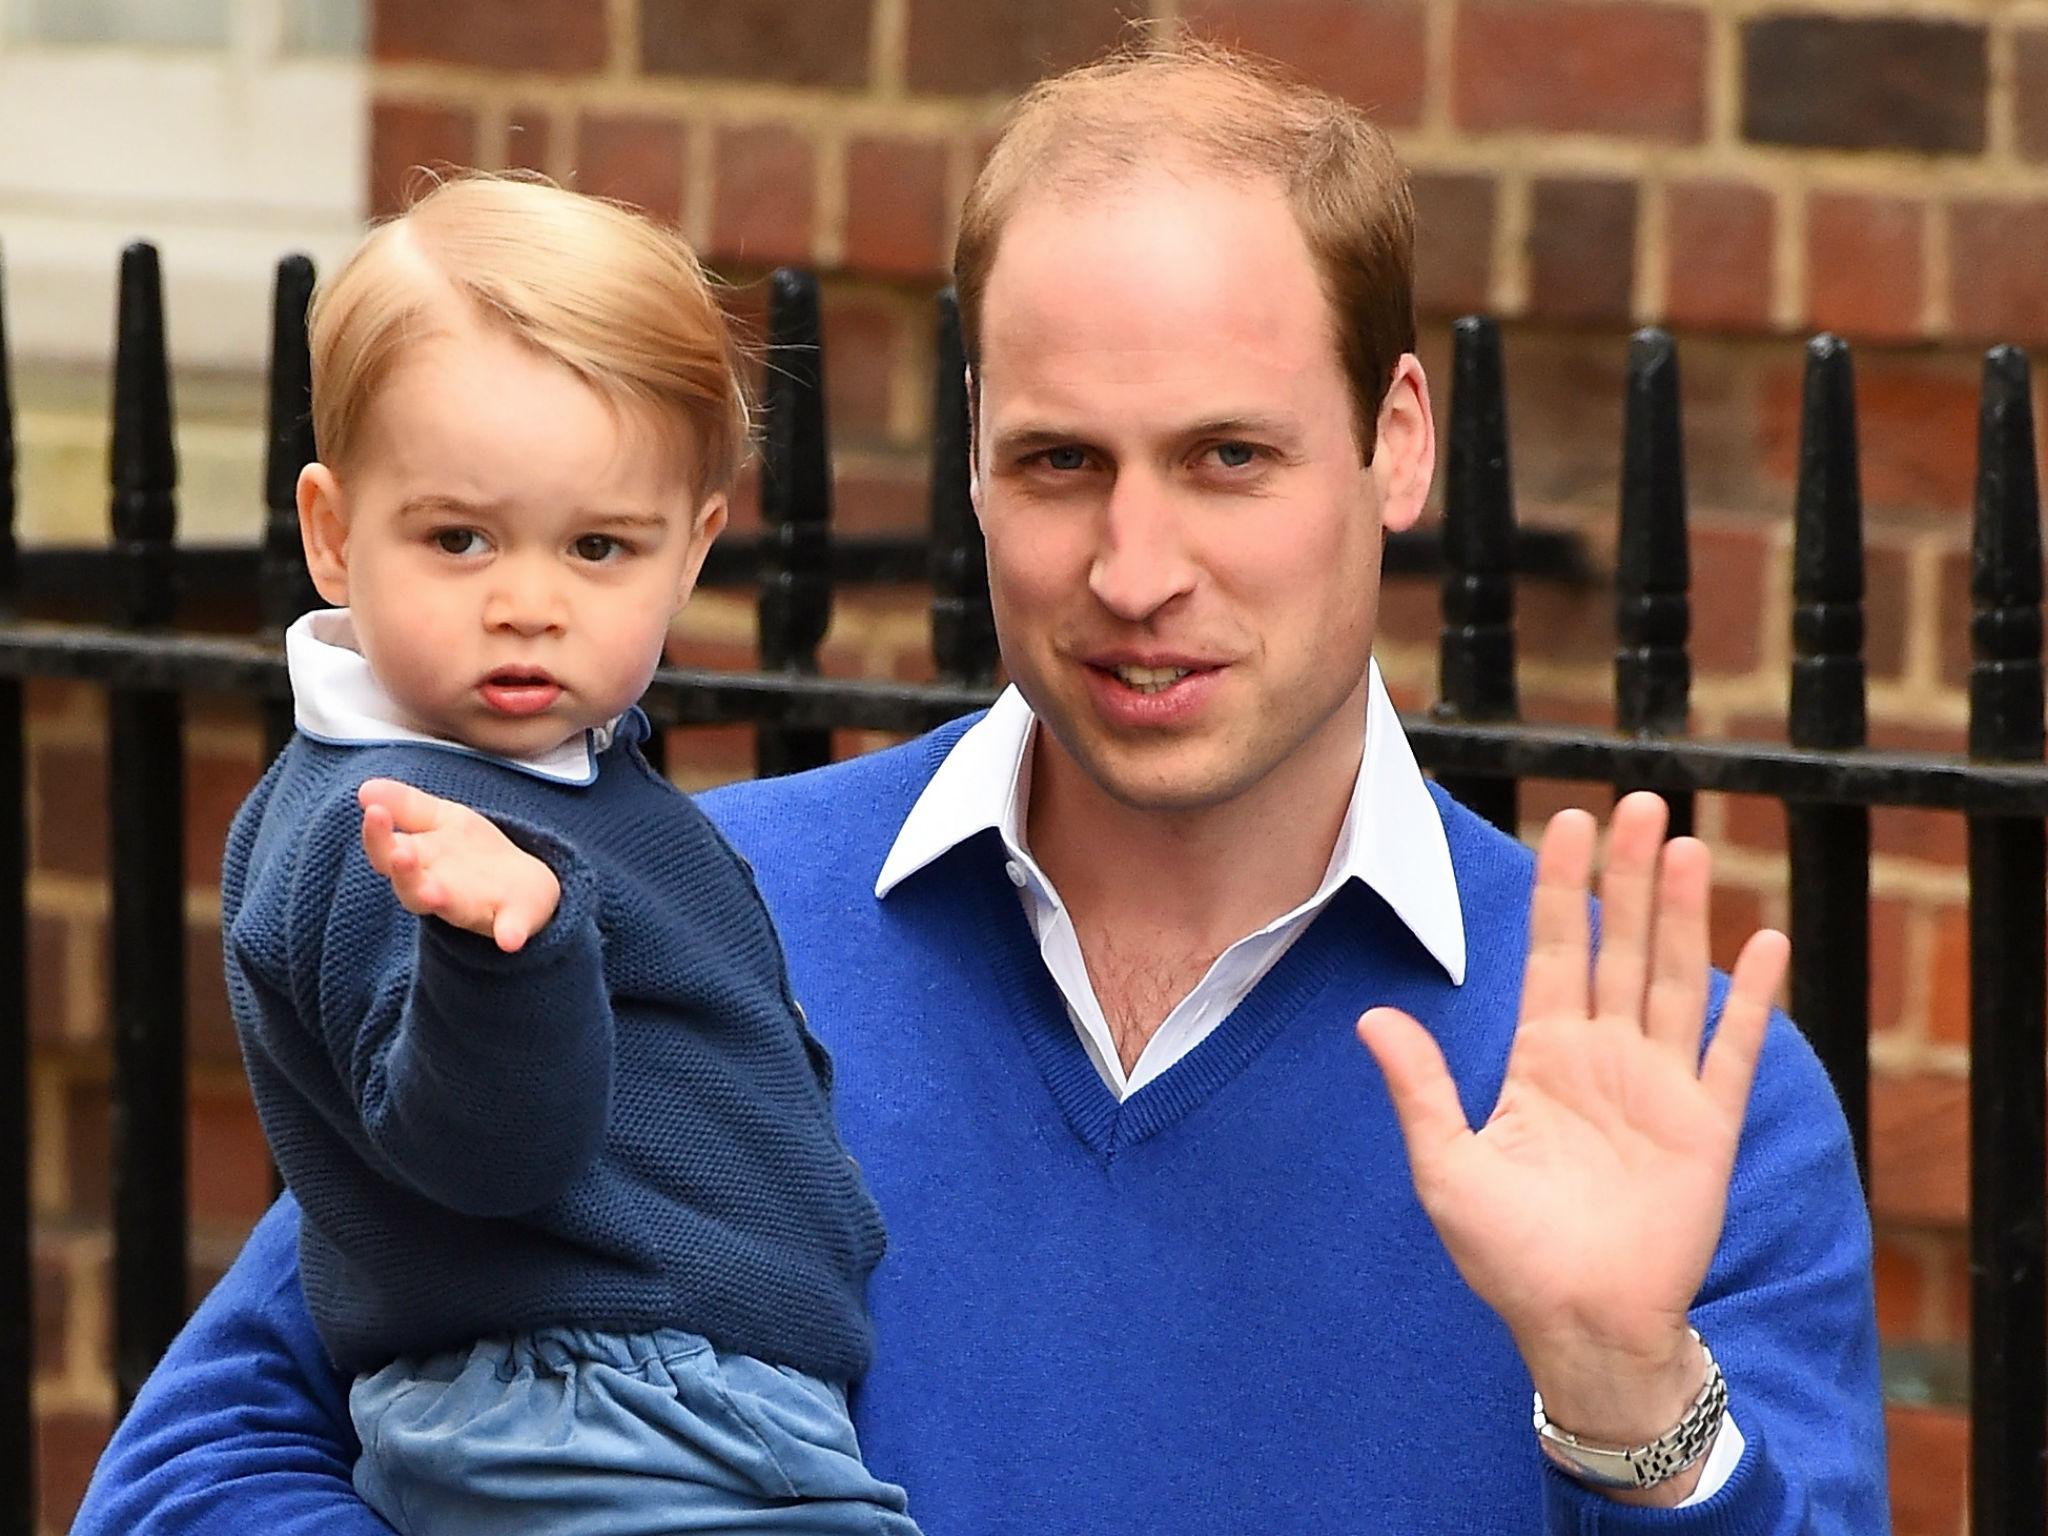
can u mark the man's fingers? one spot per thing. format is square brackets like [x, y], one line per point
[1560, 935]
[1739, 1039]
[1425, 1100]
[1628, 906]
[1676, 1010]
[410, 809]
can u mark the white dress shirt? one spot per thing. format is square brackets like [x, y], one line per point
[1392, 839]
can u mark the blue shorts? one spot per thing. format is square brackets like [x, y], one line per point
[578, 1433]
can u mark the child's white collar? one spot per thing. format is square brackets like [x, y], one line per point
[338, 700]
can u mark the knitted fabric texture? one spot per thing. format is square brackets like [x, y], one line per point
[624, 1125]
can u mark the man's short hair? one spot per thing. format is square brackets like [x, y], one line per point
[1181, 101]
[619, 300]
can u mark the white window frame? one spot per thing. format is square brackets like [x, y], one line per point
[226, 159]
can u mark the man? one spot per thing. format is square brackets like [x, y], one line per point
[1087, 966]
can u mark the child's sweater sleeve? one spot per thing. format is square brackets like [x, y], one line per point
[480, 1079]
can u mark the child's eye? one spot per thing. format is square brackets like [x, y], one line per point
[598, 548]
[458, 541]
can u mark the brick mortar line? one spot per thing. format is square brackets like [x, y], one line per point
[1791, 291]
[1514, 217]
[700, 184]
[828, 198]
[1771, 167]
[1439, 54]
[711, 99]
[1649, 295]
[2001, 103]
[1916, 1005]
[1723, 83]
[622, 28]
[889, 49]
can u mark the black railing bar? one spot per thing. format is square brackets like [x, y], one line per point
[690, 696]
[74, 576]
[1929, 781]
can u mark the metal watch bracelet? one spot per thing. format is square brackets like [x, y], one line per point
[1642, 1466]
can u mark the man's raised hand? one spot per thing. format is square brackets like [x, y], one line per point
[1587, 1208]
[446, 861]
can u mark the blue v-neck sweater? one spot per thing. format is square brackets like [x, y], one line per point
[1214, 1308]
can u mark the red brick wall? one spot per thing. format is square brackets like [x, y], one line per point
[1742, 172]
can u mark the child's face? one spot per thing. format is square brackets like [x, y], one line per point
[511, 548]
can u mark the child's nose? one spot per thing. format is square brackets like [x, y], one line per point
[523, 601]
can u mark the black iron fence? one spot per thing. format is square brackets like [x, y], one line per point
[1826, 776]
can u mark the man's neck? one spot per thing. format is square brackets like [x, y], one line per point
[1155, 895]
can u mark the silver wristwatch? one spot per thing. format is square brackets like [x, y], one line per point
[1642, 1466]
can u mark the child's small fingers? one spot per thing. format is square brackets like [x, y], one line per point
[410, 809]
[510, 929]
[377, 838]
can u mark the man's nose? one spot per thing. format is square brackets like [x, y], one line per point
[523, 599]
[1141, 561]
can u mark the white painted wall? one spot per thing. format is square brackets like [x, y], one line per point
[226, 154]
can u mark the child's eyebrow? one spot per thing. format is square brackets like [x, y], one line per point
[435, 503]
[643, 522]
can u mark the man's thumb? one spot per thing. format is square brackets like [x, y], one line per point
[1425, 1099]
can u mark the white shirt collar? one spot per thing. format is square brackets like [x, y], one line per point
[1392, 838]
[337, 699]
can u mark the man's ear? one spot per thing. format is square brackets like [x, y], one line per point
[973, 443]
[705, 528]
[323, 529]
[1404, 447]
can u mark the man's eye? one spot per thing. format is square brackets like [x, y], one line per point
[1065, 459]
[597, 547]
[1235, 455]
[458, 541]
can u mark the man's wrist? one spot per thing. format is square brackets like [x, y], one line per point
[1646, 1451]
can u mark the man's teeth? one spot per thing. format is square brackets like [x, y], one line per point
[1151, 679]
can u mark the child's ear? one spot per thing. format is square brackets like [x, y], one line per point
[323, 529]
[705, 527]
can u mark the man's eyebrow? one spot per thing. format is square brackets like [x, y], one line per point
[1281, 427]
[1034, 439]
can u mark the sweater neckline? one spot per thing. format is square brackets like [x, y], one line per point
[1094, 1115]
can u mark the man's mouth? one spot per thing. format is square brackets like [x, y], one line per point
[1149, 679]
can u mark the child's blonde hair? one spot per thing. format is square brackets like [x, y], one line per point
[616, 298]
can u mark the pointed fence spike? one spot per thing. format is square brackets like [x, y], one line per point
[2008, 1031]
[1828, 708]
[963, 628]
[143, 460]
[1653, 617]
[796, 511]
[10, 556]
[284, 586]
[1828, 846]
[287, 589]
[1476, 644]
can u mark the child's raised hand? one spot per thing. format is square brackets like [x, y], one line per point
[446, 861]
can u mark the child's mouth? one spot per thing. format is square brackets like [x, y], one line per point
[517, 693]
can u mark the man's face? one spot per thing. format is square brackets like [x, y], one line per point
[1183, 540]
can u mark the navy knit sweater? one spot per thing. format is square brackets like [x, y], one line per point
[625, 1125]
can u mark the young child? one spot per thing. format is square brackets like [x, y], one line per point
[519, 1029]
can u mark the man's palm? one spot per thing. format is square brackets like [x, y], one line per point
[1593, 1196]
